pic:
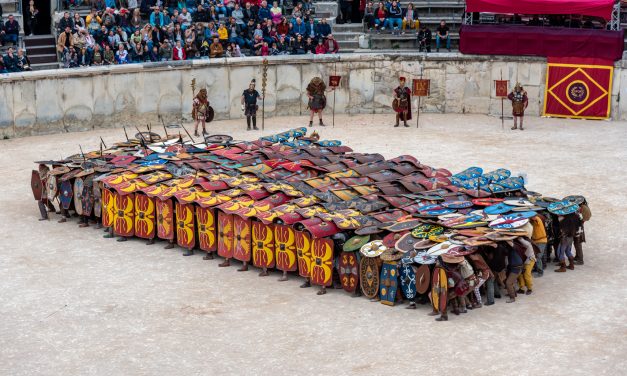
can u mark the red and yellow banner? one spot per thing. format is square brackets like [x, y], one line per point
[578, 88]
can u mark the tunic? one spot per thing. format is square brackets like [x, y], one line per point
[250, 102]
[519, 102]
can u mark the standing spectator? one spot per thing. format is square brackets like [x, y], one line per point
[346, 7]
[410, 20]
[442, 33]
[369, 16]
[424, 39]
[178, 53]
[121, 56]
[64, 43]
[185, 18]
[32, 13]
[395, 17]
[330, 45]
[223, 34]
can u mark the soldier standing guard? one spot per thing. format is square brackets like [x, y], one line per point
[249, 105]
[199, 112]
[317, 99]
[402, 102]
[519, 104]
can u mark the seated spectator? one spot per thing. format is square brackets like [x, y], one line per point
[298, 45]
[65, 21]
[424, 39]
[185, 19]
[216, 49]
[283, 45]
[250, 13]
[380, 15]
[136, 19]
[276, 13]
[178, 52]
[93, 21]
[64, 43]
[265, 50]
[154, 54]
[223, 33]
[156, 18]
[299, 27]
[310, 46]
[83, 58]
[410, 19]
[311, 29]
[10, 61]
[320, 49]
[394, 19]
[11, 30]
[535, 21]
[283, 28]
[78, 22]
[331, 45]
[71, 59]
[264, 12]
[108, 18]
[124, 21]
[121, 56]
[165, 50]
[324, 29]
[238, 15]
[369, 15]
[97, 58]
[23, 63]
[109, 55]
[137, 53]
[191, 52]
[237, 52]
[442, 33]
[274, 51]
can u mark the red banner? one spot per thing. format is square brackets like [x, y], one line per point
[578, 88]
[421, 87]
[334, 81]
[501, 87]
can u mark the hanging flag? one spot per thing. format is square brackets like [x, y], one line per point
[421, 87]
[501, 87]
[578, 88]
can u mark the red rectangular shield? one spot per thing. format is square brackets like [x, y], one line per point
[225, 234]
[322, 261]
[334, 81]
[263, 245]
[241, 238]
[145, 222]
[420, 87]
[123, 215]
[500, 87]
[285, 245]
[303, 252]
[205, 220]
[185, 225]
[578, 88]
[165, 219]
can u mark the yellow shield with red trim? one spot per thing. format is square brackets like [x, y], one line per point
[123, 215]
[303, 253]
[322, 262]
[225, 234]
[205, 218]
[263, 245]
[285, 246]
[165, 219]
[145, 218]
[185, 226]
[108, 207]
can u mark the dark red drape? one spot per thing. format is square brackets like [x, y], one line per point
[595, 8]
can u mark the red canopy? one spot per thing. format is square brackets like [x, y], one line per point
[595, 8]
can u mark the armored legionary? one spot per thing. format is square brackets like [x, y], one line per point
[519, 104]
[402, 102]
[249, 105]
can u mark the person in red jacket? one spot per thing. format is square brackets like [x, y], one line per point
[331, 45]
[320, 49]
[178, 52]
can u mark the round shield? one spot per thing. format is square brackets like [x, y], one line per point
[424, 258]
[149, 137]
[407, 274]
[97, 194]
[88, 195]
[497, 209]
[486, 201]
[563, 207]
[65, 194]
[51, 187]
[355, 243]
[507, 223]
[423, 279]
[576, 199]
[210, 114]
[218, 139]
[78, 195]
[369, 277]
[348, 268]
[518, 202]
[457, 204]
[373, 249]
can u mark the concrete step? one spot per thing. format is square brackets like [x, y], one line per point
[352, 27]
[44, 66]
[346, 36]
[40, 40]
[41, 50]
[42, 59]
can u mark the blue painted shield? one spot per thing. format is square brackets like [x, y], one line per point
[498, 209]
[559, 208]
[407, 275]
[469, 173]
[65, 194]
[388, 282]
[498, 175]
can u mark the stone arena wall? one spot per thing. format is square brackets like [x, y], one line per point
[71, 100]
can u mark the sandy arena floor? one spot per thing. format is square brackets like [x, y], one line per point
[74, 303]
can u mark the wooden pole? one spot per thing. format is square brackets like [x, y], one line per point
[502, 114]
[418, 109]
[333, 116]
[264, 79]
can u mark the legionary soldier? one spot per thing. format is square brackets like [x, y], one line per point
[249, 105]
[519, 104]
[402, 102]
[199, 111]
[317, 99]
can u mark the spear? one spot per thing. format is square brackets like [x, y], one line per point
[125, 134]
[102, 142]
[83, 154]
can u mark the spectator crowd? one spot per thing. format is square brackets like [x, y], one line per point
[128, 31]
